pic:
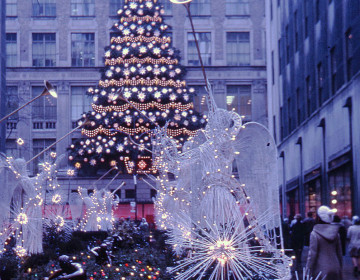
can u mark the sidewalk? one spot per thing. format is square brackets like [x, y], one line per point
[347, 266]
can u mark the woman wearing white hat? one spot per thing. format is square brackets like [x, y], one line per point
[325, 254]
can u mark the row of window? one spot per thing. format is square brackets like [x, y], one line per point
[81, 8]
[44, 115]
[83, 49]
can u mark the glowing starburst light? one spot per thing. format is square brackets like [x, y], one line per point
[22, 219]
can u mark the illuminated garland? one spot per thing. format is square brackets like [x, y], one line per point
[145, 18]
[140, 38]
[133, 131]
[100, 129]
[142, 81]
[121, 60]
[141, 106]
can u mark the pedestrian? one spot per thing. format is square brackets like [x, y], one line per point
[325, 254]
[309, 223]
[342, 233]
[286, 234]
[346, 222]
[297, 238]
[353, 235]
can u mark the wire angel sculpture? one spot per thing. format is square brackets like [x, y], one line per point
[23, 203]
[98, 209]
[229, 226]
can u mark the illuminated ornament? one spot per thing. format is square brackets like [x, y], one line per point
[142, 164]
[113, 163]
[20, 141]
[131, 164]
[133, 5]
[81, 152]
[178, 70]
[157, 94]
[133, 69]
[157, 33]
[126, 31]
[177, 117]
[127, 94]
[156, 71]
[22, 219]
[186, 122]
[20, 251]
[126, 72]
[127, 12]
[172, 97]
[111, 143]
[141, 96]
[109, 73]
[163, 114]
[156, 51]
[93, 162]
[118, 47]
[53, 154]
[142, 49]
[148, 5]
[186, 97]
[128, 119]
[56, 198]
[99, 149]
[140, 30]
[172, 74]
[184, 114]
[142, 71]
[148, 68]
[125, 51]
[117, 69]
[171, 52]
[70, 172]
[120, 148]
[194, 118]
[107, 54]
[103, 92]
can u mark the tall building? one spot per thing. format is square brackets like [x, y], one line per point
[63, 41]
[313, 96]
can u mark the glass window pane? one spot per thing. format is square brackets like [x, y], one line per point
[204, 41]
[82, 7]
[80, 102]
[114, 6]
[237, 7]
[44, 8]
[200, 8]
[44, 50]
[237, 48]
[200, 103]
[11, 49]
[12, 101]
[82, 49]
[11, 8]
[38, 146]
[44, 108]
[238, 98]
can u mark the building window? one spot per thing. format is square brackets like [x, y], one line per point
[80, 103]
[11, 8]
[11, 49]
[349, 53]
[114, 6]
[43, 110]
[237, 7]
[238, 98]
[292, 202]
[340, 186]
[287, 40]
[167, 5]
[204, 41]
[12, 102]
[83, 49]
[83, 8]
[153, 193]
[44, 8]
[272, 68]
[200, 8]
[11, 148]
[200, 104]
[130, 194]
[333, 69]
[320, 74]
[317, 10]
[282, 132]
[237, 48]
[298, 106]
[308, 95]
[306, 20]
[38, 146]
[44, 50]
[312, 195]
[296, 31]
[280, 53]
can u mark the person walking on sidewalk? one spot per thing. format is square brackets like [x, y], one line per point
[297, 239]
[309, 223]
[354, 245]
[325, 254]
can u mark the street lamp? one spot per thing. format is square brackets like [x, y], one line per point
[48, 90]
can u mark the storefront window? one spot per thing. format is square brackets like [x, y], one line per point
[340, 190]
[292, 202]
[312, 195]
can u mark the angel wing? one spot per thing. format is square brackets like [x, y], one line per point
[256, 160]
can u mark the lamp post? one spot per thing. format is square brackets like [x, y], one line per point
[48, 90]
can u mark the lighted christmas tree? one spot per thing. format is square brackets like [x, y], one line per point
[142, 67]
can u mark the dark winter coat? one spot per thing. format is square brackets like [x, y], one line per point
[325, 254]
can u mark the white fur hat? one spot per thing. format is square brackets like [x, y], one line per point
[326, 214]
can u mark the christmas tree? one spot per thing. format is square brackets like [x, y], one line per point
[141, 87]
